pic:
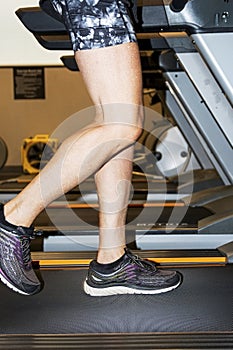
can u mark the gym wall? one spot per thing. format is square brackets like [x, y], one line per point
[18, 46]
[20, 119]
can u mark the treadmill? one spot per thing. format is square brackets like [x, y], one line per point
[196, 315]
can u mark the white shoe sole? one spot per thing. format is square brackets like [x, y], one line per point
[99, 292]
[11, 286]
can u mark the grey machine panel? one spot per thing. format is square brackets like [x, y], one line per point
[217, 50]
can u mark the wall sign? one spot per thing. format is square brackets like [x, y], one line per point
[29, 83]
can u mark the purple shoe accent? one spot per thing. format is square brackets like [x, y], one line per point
[15, 258]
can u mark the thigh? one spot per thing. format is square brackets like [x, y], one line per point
[113, 79]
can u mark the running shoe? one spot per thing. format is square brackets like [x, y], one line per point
[15, 258]
[129, 275]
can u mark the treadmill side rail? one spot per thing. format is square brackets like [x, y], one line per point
[227, 250]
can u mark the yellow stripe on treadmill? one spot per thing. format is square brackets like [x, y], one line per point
[68, 262]
[79, 262]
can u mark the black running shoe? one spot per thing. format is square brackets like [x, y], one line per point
[131, 275]
[15, 259]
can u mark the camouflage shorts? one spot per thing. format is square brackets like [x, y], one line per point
[96, 23]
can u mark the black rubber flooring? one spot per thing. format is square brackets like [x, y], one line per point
[204, 302]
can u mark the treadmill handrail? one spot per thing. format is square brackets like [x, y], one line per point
[194, 17]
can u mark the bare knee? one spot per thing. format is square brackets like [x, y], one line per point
[121, 135]
[124, 120]
[134, 132]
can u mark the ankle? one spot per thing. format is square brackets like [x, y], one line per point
[13, 218]
[107, 256]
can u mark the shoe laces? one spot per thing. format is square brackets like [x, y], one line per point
[26, 253]
[25, 239]
[146, 264]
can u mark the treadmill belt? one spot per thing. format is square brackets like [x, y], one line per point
[203, 303]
